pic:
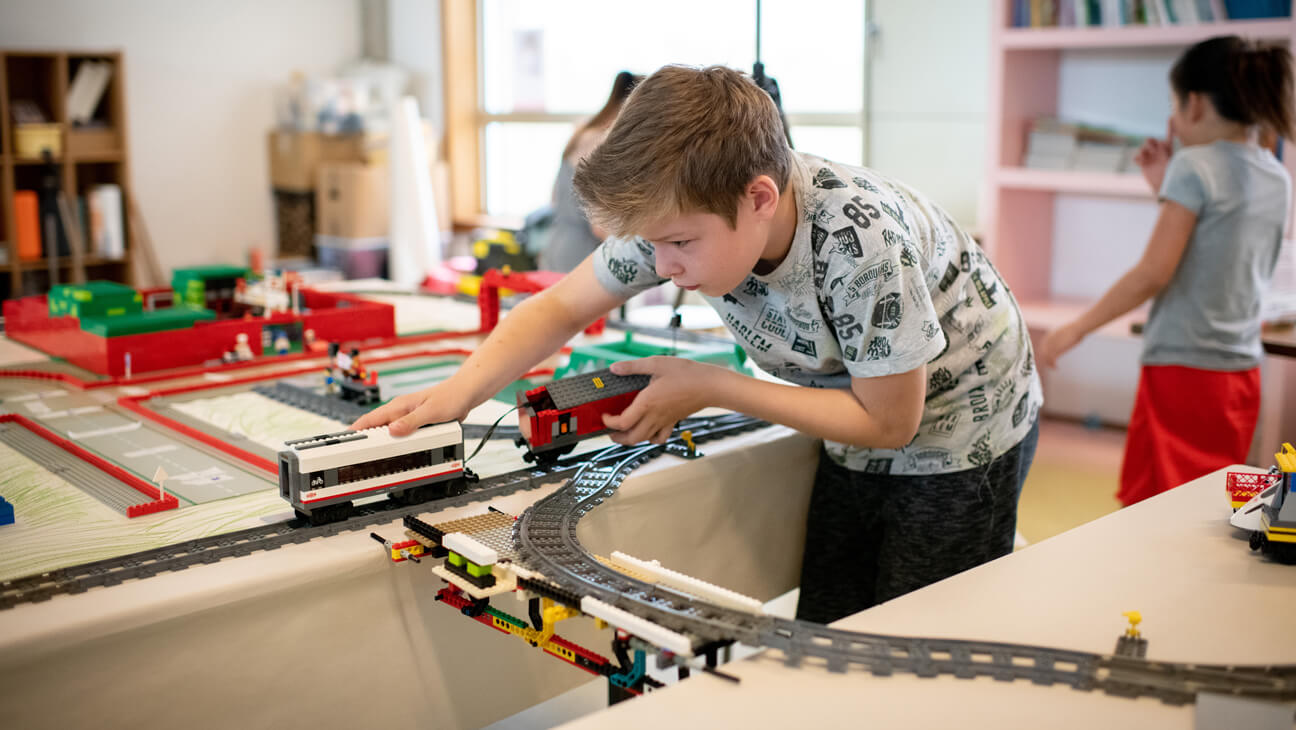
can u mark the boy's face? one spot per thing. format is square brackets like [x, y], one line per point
[699, 251]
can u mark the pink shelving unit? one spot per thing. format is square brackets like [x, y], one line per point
[1017, 204]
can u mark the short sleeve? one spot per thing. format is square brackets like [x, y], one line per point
[881, 310]
[1183, 184]
[626, 266]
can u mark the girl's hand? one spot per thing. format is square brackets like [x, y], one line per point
[1153, 157]
[437, 404]
[678, 389]
[1057, 343]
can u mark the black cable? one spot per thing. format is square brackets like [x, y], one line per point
[489, 431]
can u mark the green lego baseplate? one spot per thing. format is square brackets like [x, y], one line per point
[143, 322]
[190, 285]
[588, 358]
[94, 299]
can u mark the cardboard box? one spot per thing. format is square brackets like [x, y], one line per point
[295, 223]
[351, 200]
[295, 157]
[356, 258]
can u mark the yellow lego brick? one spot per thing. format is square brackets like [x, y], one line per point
[1286, 458]
[598, 383]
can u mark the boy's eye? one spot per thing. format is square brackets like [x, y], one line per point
[677, 243]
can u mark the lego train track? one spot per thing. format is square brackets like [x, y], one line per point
[545, 538]
[112, 571]
[347, 412]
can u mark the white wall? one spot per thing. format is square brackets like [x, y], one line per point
[199, 77]
[414, 43]
[928, 85]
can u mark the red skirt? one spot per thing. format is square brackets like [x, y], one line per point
[1186, 423]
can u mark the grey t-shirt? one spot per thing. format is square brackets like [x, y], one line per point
[1208, 316]
[879, 281]
[570, 237]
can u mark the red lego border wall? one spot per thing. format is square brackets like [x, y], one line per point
[116, 472]
[334, 317]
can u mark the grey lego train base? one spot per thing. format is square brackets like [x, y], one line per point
[113, 493]
[347, 412]
[328, 406]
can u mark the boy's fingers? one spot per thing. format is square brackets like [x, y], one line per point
[642, 366]
[661, 436]
[424, 413]
[376, 417]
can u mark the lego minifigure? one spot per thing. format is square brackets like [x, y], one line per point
[242, 351]
[331, 369]
[1132, 643]
[281, 343]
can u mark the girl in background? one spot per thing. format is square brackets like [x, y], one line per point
[1224, 203]
[571, 237]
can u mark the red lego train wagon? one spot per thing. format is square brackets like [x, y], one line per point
[555, 417]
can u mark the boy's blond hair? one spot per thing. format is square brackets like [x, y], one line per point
[688, 140]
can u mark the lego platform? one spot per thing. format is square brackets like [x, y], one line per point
[60, 523]
[1204, 597]
[233, 632]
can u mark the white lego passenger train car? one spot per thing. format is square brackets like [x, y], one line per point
[321, 476]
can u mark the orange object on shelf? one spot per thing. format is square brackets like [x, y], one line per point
[27, 223]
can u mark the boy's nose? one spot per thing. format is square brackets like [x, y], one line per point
[666, 265]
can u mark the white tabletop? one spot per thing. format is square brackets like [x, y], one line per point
[1204, 597]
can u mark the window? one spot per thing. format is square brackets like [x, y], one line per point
[545, 66]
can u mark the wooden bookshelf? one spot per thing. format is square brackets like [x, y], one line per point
[93, 154]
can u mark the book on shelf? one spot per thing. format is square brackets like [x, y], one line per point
[27, 224]
[1053, 144]
[87, 89]
[1121, 13]
[107, 235]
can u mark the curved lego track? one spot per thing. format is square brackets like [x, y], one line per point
[545, 537]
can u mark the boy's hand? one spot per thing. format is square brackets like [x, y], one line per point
[1153, 157]
[437, 404]
[678, 389]
[1057, 343]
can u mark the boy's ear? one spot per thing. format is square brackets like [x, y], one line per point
[763, 195]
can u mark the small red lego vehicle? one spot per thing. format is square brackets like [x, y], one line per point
[1242, 486]
[555, 417]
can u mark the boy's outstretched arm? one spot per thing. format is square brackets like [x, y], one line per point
[1149, 276]
[880, 412]
[532, 331]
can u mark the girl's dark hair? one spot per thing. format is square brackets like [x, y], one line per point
[1248, 82]
[622, 85]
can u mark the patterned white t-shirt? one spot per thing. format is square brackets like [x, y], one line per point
[878, 281]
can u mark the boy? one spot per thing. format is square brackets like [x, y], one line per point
[908, 354]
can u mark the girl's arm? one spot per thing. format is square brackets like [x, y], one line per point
[1149, 276]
